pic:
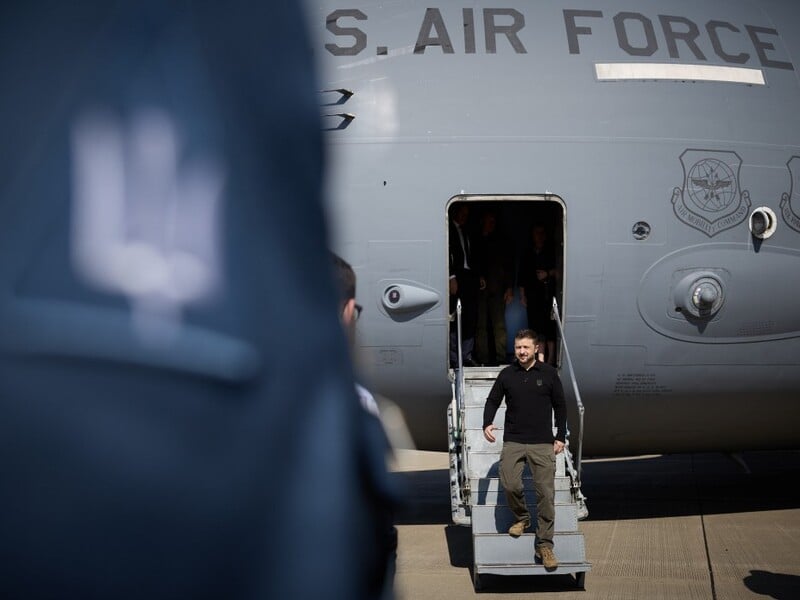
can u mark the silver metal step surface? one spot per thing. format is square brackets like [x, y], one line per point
[498, 518]
[502, 549]
[473, 417]
[476, 392]
[491, 485]
[472, 374]
[476, 442]
[563, 568]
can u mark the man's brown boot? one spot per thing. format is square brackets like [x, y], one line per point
[546, 555]
[518, 528]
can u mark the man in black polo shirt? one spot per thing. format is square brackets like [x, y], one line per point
[533, 392]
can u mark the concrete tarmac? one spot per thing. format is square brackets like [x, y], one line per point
[694, 526]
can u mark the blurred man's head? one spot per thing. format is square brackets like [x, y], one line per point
[461, 214]
[539, 235]
[345, 279]
[488, 223]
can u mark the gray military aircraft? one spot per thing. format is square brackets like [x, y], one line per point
[660, 144]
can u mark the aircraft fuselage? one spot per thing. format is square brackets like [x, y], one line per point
[660, 129]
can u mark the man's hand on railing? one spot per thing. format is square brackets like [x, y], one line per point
[558, 447]
[487, 433]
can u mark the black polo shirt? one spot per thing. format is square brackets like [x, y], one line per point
[530, 397]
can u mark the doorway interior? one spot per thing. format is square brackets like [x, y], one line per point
[507, 260]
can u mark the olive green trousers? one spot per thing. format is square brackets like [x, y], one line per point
[542, 462]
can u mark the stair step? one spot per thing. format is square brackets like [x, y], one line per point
[564, 568]
[473, 416]
[504, 550]
[477, 392]
[487, 498]
[498, 518]
[478, 443]
[492, 485]
[476, 374]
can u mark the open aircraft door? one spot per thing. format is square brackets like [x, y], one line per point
[505, 264]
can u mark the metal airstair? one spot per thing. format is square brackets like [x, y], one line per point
[477, 498]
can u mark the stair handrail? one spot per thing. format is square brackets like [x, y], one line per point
[458, 409]
[460, 372]
[579, 453]
[461, 413]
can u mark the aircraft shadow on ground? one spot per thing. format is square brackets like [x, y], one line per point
[637, 488]
[427, 498]
[689, 484]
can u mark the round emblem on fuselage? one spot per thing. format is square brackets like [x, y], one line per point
[711, 185]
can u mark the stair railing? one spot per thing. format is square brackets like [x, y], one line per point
[459, 374]
[579, 452]
[458, 411]
[462, 409]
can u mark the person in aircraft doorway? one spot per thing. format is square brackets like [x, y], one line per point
[533, 394]
[538, 276]
[464, 285]
[495, 263]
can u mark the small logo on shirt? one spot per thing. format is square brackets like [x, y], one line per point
[538, 382]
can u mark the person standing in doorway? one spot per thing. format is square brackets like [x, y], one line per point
[538, 274]
[464, 285]
[496, 269]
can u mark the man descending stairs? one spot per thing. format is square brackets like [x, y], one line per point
[478, 496]
[534, 400]
[495, 550]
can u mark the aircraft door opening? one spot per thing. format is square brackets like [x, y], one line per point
[506, 263]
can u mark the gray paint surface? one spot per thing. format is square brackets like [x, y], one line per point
[466, 118]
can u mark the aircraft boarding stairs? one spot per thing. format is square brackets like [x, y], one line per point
[477, 497]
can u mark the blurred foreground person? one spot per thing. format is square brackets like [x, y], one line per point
[388, 491]
[177, 413]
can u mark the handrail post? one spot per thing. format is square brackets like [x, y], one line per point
[579, 452]
[460, 419]
[460, 374]
[458, 326]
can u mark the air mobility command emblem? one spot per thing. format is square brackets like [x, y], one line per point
[792, 218]
[710, 199]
